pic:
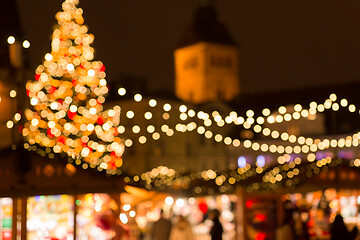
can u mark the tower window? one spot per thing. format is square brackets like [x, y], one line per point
[191, 63]
[217, 61]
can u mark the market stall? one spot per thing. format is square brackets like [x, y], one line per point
[314, 212]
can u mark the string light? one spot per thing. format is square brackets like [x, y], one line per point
[11, 40]
[26, 44]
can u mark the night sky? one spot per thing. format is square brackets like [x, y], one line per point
[283, 44]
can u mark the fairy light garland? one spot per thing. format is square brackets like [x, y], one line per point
[255, 146]
[306, 145]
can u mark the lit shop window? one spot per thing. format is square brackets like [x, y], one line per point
[50, 217]
[94, 216]
[6, 211]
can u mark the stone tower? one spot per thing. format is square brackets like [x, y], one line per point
[206, 62]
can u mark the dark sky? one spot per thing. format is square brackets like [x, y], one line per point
[283, 44]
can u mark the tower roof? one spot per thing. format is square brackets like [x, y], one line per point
[206, 27]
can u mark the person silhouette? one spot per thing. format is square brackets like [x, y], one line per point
[286, 230]
[181, 230]
[339, 231]
[161, 228]
[216, 230]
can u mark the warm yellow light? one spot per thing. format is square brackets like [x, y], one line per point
[92, 111]
[297, 107]
[138, 97]
[164, 128]
[227, 140]
[91, 72]
[352, 108]
[207, 122]
[34, 121]
[11, 40]
[34, 101]
[136, 129]
[17, 116]
[218, 138]
[279, 118]
[247, 143]
[73, 108]
[121, 91]
[70, 67]
[201, 130]
[335, 107]
[142, 139]
[208, 134]
[169, 201]
[266, 131]
[257, 128]
[128, 142]
[26, 44]
[148, 115]
[249, 113]
[266, 112]
[130, 114]
[272, 148]
[217, 118]
[103, 82]
[344, 102]
[270, 119]
[156, 136]
[54, 105]
[236, 142]
[333, 97]
[287, 117]
[282, 110]
[151, 129]
[126, 207]
[311, 157]
[183, 116]
[296, 115]
[304, 113]
[12, 93]
[10, 124]
[132, 213]
[275, 134]
[121, 129]
[182, 108]
[90, 127]
[123, 218]
[191, 113]
[152, 103]
[48, 57]
[167, 107]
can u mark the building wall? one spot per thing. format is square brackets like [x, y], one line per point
[207, 72]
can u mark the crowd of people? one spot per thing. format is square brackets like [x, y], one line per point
[162, 229]
[181, 229]
[338, 230]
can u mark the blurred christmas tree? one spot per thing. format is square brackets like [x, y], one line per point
[67, 97]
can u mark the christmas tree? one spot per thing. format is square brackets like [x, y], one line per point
[67, 115]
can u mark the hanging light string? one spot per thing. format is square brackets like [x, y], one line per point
[298, 145]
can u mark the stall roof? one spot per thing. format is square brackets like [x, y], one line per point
[25, 173]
